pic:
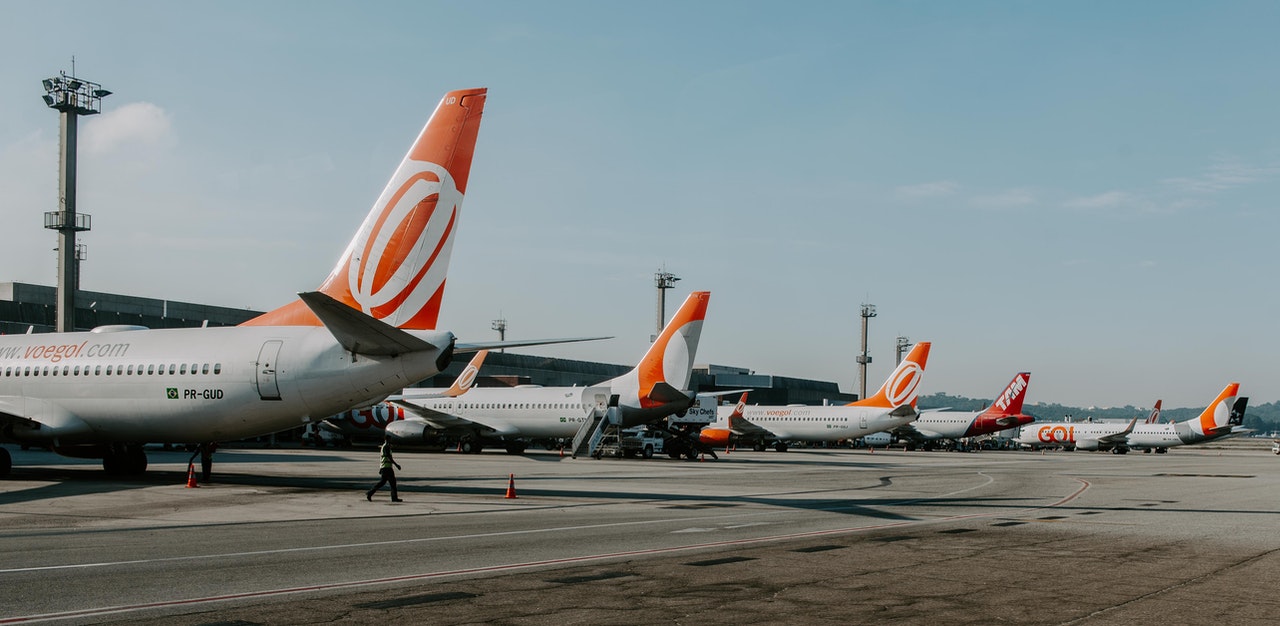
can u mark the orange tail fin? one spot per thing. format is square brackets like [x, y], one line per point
[900, 388]
[468, 376]
[1218, 413]
[395, 267]
[670, 359]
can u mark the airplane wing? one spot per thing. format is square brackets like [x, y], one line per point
[467, 348]
[442, 421]
[32, 419]
[911, 432]
[1120, 437]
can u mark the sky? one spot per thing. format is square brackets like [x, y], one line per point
[1083, 190]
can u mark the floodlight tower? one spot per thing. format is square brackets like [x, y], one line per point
[664, 280]
[500, 325]
[72, 97]
[903, 345]
[868, 312]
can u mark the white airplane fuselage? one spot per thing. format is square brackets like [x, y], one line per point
[818, 423]
[1082, 434]
[193, 385]
[523, 412]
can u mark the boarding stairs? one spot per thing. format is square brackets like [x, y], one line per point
[601, 422]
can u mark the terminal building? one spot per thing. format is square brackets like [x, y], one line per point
[33, 308]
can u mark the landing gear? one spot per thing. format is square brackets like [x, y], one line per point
[780, 446]
[759, 446]
[516, 447]
[6, 463]
[470, 446]
[121, 459]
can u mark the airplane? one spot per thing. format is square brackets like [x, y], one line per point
[724, 431]
[369, 423]
[515, 416]
[889, 408]
[368, 331]
[1221, 418]
[1005, 412]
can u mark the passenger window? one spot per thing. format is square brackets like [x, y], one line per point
[97, 370]
[184, 369]
[173, 369]
[151, 369]
[130, 372]
[204, 369]
[217, 369]
[109, 370]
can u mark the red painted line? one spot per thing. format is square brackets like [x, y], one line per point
[511, 566]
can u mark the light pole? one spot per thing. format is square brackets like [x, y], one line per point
[72, 97]
[868, 312]
[664, 280]
[500, 325]
[903, 345]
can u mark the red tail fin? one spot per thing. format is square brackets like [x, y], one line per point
[395, 267]
[1154, 418]
[1010, 401]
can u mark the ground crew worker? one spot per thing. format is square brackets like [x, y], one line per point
[388, 474]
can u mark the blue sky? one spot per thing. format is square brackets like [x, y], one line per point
[1085, 190]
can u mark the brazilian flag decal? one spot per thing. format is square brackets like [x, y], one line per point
[172, 392]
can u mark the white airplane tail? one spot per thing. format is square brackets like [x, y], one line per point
[667, 366]
[394, 269]
[900, 388]
[1220, 415]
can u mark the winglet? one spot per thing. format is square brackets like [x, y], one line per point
[901, 386]
[468, 376]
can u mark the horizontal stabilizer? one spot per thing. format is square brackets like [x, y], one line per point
[663, 392]
[360, 333]
[467, 348]
[905, 410]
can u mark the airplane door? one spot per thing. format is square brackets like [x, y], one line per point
[268, 387]
[864, 422]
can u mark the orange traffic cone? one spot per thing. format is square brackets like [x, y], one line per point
[511, 487]
[871, 449]
[562, 452]
[191, 476]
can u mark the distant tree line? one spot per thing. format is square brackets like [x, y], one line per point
[1263, 418]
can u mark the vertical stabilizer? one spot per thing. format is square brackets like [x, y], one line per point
[1154, 418]
[394, 269]
[667, 366]
[900, 389]
[1010, 401]
[468, 376]
[1218, 414]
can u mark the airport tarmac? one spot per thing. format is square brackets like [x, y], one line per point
[808, 536]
